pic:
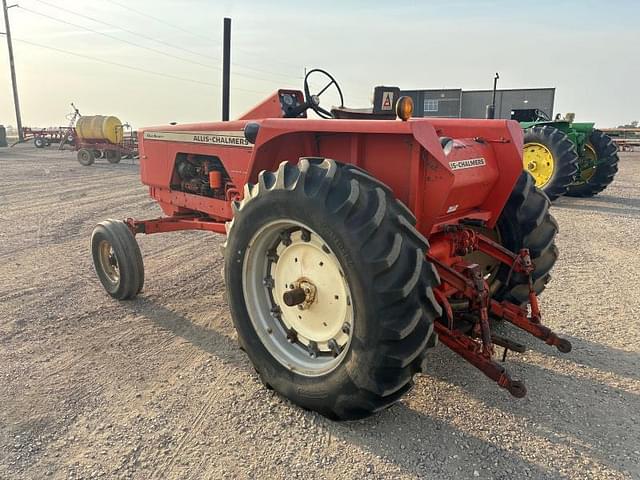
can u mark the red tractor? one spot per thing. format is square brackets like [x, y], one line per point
[353, 242]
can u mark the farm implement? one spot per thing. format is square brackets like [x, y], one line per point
[101, 136]
[354, 242]
[43, 137]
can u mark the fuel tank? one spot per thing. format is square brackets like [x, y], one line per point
[99, 127]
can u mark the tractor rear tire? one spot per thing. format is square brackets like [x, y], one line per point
[86, 157]
[525, 222]
[341, 214]
[112, 156]
[117, 259]
[605, 170]
[557, 144]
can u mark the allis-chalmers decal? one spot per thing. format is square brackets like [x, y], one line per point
[230, 139]
[470, 163]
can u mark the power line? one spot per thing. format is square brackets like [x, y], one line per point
[208, 39]
[130, 67]
[160, 52]
[111, 25]
[159, 20]
[131, 32]
[202, 37]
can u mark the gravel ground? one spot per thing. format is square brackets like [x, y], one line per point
[157, 387]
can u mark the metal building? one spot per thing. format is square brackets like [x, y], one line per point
[458, 103]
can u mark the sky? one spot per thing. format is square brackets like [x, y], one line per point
[150, 62]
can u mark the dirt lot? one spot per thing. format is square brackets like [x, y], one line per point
[157, 387]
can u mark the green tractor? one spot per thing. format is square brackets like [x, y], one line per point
[566, 157]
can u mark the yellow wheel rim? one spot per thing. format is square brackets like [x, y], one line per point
[538, 161]
[587, 164]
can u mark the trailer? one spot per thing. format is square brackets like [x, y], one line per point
[106, 137]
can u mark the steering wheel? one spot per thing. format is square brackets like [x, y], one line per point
[313, 101]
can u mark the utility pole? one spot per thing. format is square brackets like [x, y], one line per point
[226, 68]
[13, 69]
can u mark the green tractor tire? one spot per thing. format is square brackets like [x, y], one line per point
[551, 158]
[597, 165]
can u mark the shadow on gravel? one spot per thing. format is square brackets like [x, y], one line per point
[594, 355]
[624, 201]
[610, 205]
[431, 448]
[593, 419]
[206, 339]
[399, 434]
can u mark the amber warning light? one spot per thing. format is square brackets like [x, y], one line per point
[404, 108]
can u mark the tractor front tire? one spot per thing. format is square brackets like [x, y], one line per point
[551, 157]
[329, 289]
[86, 157]
[117, 259]
[593, 182]
[525, 222]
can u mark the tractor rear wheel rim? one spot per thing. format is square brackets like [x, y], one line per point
[109, 262]
[313, 335]
[538, 161]
[587, 164]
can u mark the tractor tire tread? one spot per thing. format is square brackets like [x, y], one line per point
[565, 157]
[403, 307]
[606, 169]
[129, 258]
[527, 223]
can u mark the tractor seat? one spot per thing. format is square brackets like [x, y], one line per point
[361, 114]
[384, 106]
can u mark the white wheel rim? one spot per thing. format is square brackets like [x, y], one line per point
[311, 338]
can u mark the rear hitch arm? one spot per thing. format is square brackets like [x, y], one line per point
[469, 349]
[466, 280]
[518, 317]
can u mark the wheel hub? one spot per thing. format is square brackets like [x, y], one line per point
[587, 164]
[538, 161]
[302, 294]
[298, 300]
[109, 261]
[304, 264]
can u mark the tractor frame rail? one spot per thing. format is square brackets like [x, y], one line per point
[174, 224]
